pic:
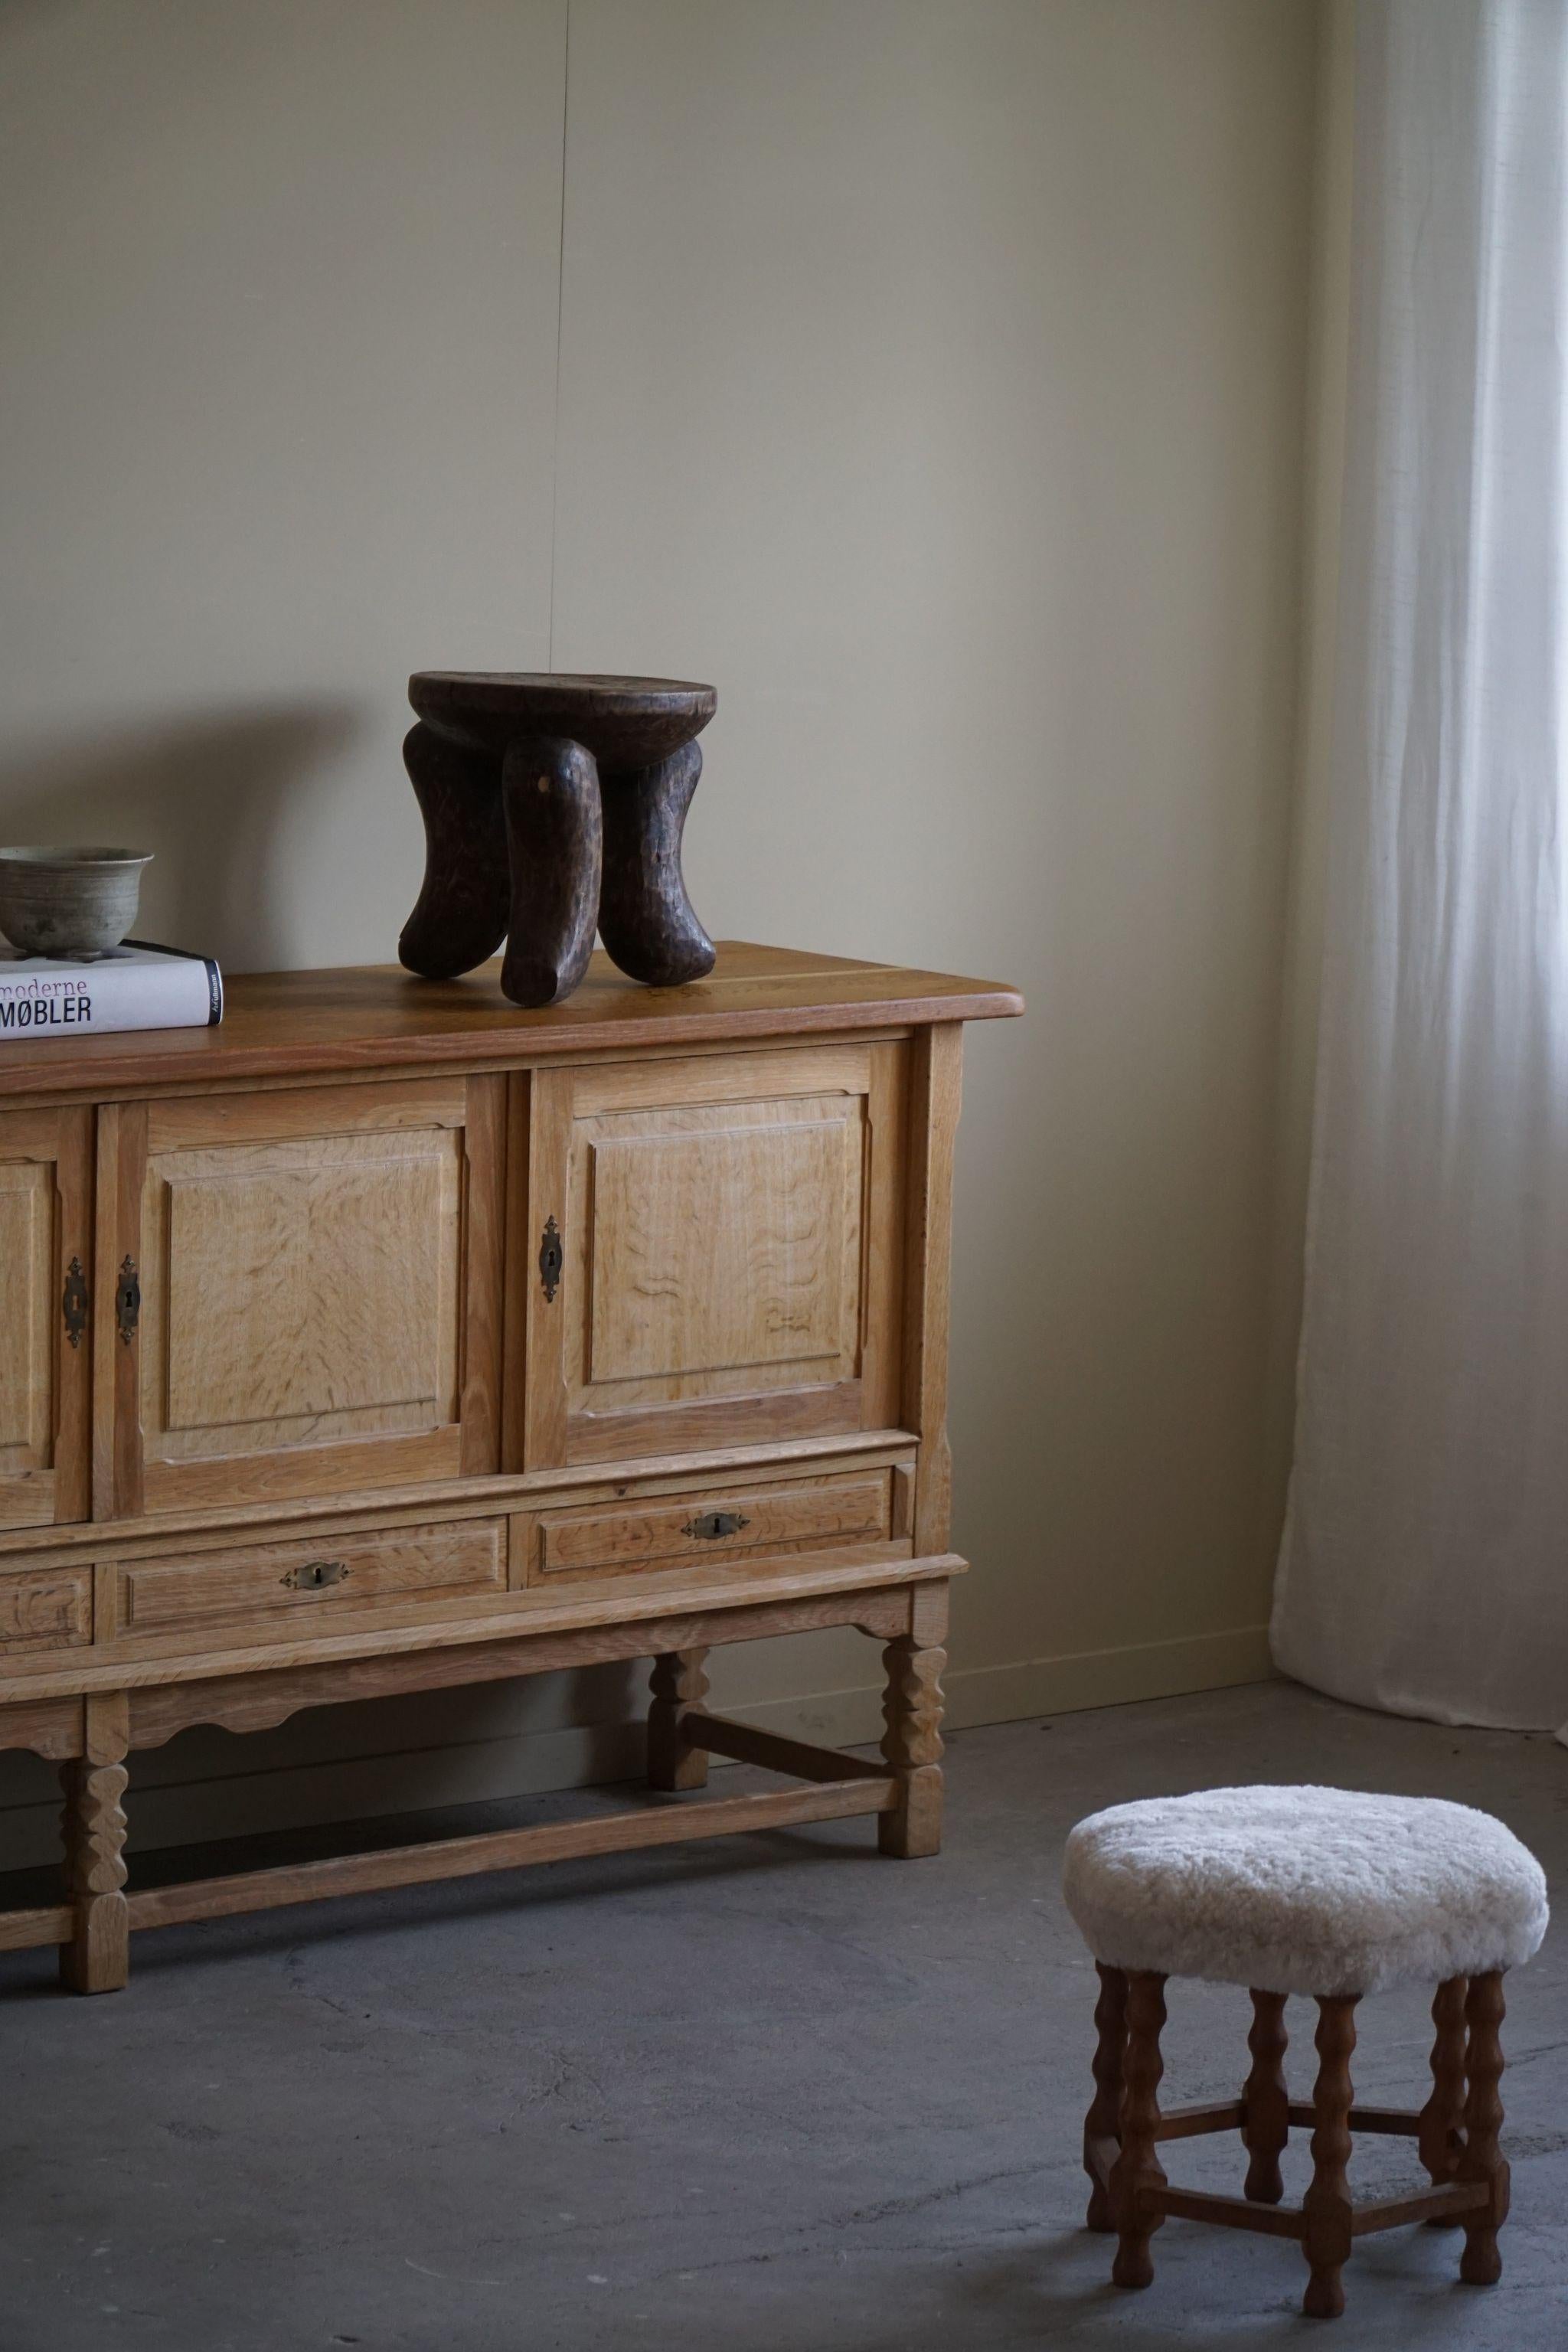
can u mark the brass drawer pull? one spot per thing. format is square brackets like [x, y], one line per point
[74, 1302]
[315, 1575]
[710, 1525]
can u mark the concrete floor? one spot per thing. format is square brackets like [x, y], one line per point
[753, 2096]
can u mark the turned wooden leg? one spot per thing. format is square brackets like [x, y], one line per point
[1104, 2121]
[1327, 2204]
[550, 790]
[1438, 2141]
[646, 918]
[1481, 2263]
[1266, 2099]
[1138, 2169]
[460, 916]
[92, 1826]
[677, 1684]
[912, 1709]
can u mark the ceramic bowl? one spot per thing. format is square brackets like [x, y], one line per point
[66, 902]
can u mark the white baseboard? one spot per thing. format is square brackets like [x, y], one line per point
[1064, 1685]
[231, 1804]
[1195, 1662]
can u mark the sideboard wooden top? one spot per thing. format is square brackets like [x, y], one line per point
[377, 1016]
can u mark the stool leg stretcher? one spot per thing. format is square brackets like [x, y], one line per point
[1456, 2134]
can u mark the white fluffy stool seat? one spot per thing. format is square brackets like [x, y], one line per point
[1304, 1890]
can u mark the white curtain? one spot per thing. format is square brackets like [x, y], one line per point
[1425, 1566]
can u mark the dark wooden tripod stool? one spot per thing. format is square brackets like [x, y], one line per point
[1310, 1891]
[553, 805]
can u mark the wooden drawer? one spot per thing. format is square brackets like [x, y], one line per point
[709, 1523]
[49, 1610]
[321, 1576]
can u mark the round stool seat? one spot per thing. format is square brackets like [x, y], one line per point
[1304, 1890]
[625, 722]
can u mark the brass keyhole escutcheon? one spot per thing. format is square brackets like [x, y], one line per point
[710, 1526]
[552, 1258]
[315, 1575]
[74, 1302]
[127, 1300]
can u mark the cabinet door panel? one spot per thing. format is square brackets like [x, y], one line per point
[27, 1255]
[318, 1271]
[725, 1248]
[45, 1225]
[730, 1262]
[309, 1291]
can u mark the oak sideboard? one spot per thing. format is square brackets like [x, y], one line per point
[387, 1336]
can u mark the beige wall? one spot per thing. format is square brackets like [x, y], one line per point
[930, 374]
[1328, 356]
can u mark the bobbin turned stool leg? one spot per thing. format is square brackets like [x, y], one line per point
[1138, 2170]
[1102, 2125]
[1326, 2239]
[1440, 2140]
[1481, 2263]
[1266, 2100]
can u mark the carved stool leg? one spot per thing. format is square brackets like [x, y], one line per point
[550, 790]
[1138, 2168]
[98, 1957]
[460, 916]
[677, 1683]
[1267, 2099]
[1327, 2204]
[911, 1744]
[1481, 2263]
[1104, 2121]
[1439, 2141]
[646, 918]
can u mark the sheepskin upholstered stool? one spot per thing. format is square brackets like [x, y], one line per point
[1315, 1891]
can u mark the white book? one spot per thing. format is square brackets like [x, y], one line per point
[134, 986]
